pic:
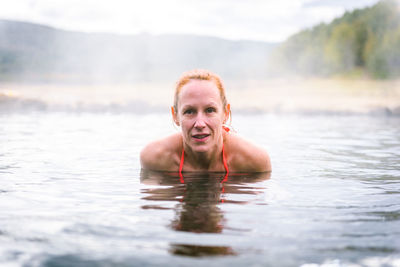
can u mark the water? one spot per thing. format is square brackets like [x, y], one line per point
[72, 194]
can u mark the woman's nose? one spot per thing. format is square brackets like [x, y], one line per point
[200, 121]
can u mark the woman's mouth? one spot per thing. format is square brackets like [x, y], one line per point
[200, 137]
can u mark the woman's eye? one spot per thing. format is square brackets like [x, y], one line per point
[188, 111]
[210, 110]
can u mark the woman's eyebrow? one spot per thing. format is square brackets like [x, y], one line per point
[187, 106]
[211, 104]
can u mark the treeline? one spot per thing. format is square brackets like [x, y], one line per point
[362, 42]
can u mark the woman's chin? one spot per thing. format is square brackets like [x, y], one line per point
[200, 148]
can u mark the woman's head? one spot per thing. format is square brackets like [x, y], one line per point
[201, 109]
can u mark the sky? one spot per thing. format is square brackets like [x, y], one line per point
[261, 20]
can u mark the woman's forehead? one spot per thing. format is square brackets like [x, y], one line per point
[202, 89]
[200, 103]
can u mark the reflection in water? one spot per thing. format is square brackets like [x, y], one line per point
[199, 251]
[198, 197]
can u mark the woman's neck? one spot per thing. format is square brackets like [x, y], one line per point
[207, 161]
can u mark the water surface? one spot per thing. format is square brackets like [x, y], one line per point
[72, 194]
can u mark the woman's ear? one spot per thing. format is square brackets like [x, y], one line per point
[174, 116]
[227, 112]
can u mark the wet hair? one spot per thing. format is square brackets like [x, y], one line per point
[199, 74]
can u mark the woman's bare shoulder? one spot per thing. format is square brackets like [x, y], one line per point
[162, 154]
[246, 156]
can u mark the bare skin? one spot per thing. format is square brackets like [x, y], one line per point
[241, 156]
[201, 115]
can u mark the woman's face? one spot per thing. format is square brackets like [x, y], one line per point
[201, 115]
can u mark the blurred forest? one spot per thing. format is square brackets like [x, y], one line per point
[364, 42]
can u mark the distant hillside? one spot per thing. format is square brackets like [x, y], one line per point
[362, 42]
[35, 52]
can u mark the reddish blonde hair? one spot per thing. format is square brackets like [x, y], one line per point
[199, 74]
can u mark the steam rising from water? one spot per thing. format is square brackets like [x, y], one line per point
[273, 96]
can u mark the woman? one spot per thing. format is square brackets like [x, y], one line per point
[205, 144]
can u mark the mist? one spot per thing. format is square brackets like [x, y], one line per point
[45, 54]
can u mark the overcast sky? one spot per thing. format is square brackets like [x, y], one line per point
[265, 20]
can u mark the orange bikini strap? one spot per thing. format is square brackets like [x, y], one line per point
[225, 164]
[181, 166]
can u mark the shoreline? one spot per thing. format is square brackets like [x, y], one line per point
[278, 96]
